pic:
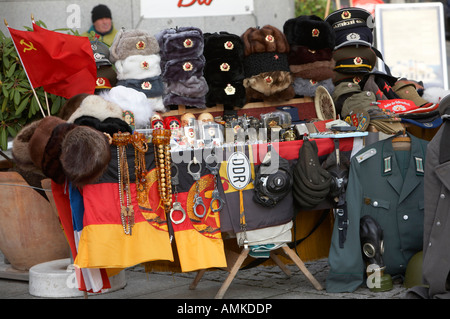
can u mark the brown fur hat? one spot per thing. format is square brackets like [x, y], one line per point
[317, 71]
[21, 152]
[253, 95]
[40, 138]
[51, 164]
[269, 83]
[132, 42]
[85, 155]
[71, 105]
[300, 54]
[265, 39]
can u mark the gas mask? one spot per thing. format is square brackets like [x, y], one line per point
[372, 245]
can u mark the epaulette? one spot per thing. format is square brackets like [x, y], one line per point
[367, 154]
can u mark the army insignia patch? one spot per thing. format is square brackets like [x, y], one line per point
[387, 164]
[146, 85]
[140, 45]
[353, 36]
[419, 165]
[268, 80]
[346, 15]
[188, 43]
[270, 38]
[367, 154]
[358, 60]
[229, 45]
[188, 66]
[225, 67]
[100, 81]
[230, 90]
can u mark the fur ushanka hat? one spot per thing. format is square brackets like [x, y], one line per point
[180, 43]
[181, 60]
[138, 67]
[265, 39]
[309, 31]
[46, 145]
[224, 69]
[266, 67]
[132, 42]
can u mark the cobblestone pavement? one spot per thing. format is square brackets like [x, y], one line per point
[262, 282]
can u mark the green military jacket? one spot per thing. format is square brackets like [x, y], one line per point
[387, 185]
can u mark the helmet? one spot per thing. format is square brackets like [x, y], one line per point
[413, 274]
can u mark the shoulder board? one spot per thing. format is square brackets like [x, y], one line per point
[367, 154]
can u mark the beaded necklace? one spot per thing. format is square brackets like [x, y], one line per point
[161, 141]
[121, 141]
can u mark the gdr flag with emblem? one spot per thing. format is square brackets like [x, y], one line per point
[61, 63]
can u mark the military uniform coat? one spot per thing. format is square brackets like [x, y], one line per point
[389, 186]
[436, 260]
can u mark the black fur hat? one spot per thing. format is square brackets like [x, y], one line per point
[229, 95]
[310, 31]
[223, 45]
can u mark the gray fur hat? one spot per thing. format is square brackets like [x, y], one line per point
[132, 42]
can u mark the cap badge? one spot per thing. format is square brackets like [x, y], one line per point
[100, 82]
[313, 82]
[188, 66]
[146, 85]
[315, 33]
[356, 79]
[229, 45]
[353, 36]
[225, 67]
[312, 51]
[140, 45]
[94, 46]
[144, 65]
[268, 80]
[358, 60]
[270, 38]
[188, 43]
[346, 15]
[98, 56]
[230, 90]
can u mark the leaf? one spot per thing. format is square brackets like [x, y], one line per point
[4, 104]
[22, 105]
[3, 139]
[12, 131]
[16, 97]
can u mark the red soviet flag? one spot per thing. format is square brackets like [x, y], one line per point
[63, 64]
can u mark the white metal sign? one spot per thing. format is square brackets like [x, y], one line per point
[194, 8]
[411, 38]
[239, 170]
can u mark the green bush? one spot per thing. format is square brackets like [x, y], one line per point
[316, 7]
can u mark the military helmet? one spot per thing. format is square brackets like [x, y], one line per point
[413, 274]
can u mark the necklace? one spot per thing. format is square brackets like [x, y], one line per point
[121, 141]
[161, 141]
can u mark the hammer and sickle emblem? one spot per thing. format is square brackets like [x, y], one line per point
[29, 46]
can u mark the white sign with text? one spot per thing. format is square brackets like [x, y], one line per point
[194, 8]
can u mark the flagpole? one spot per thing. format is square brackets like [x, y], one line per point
[31, 85]
[46, 97]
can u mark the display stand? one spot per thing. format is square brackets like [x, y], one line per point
[236, 265]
